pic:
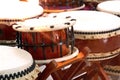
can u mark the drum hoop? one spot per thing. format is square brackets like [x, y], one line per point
[19, 74]
[8, 42]
[103, 56]
[112, 69]
[64, 58]
[97, 35]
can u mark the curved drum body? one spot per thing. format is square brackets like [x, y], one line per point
[46, 38]
[97, 30]
[61, 5]
[7, 34]
[17, 64]
[112, 66]
[112, 6]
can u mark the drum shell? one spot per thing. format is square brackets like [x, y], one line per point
[60, 4]
[99, 45]
[7, 32]
[45, 45]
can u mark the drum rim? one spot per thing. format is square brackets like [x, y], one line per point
[66, 23]
[103, 56]
[112, 69]
[64, 58]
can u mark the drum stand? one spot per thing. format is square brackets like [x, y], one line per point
[67, 69]
[95, 71]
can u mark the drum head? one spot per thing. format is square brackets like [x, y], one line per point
[110, 6]
[44, 24]
[16, 63]
[92, 22]
[18, 11]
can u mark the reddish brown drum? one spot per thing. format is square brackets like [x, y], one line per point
[50, 44]
[99, 31]
[46, 38]
[61, 5]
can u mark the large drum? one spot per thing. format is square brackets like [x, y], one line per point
[112, 66]
[61, 5]
[11, 14]
[97, 30]
[17, 64]
[112, 6]
[47, 38]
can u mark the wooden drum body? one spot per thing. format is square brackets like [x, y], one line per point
[61, 5]
[46, 38]
[97, 30]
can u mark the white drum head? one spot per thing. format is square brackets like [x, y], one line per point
[110, 6]
[16, 63]
[93, 22]
[44, 24]
[18, 11]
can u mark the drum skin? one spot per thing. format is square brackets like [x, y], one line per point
[60, 4]
[99, 45]
[7, 32]
[45, 45]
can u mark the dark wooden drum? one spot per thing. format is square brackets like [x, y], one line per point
[61, 5]
[99, 31]
[46, 38]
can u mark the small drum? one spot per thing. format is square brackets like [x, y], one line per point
[46, 38]
[7, 34]
[112, 6]
[61, 5]
[17, 64]
[97, 30]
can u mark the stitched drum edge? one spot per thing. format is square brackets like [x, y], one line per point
[12, 21]
[115, 70]
[30, 73]
[97, 35]
[103, 56]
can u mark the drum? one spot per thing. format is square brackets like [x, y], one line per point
[7, 34]
[61, 5]
[17, 64]
[112, 66]
[46, 38]
[99, 31]
[112, 6]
